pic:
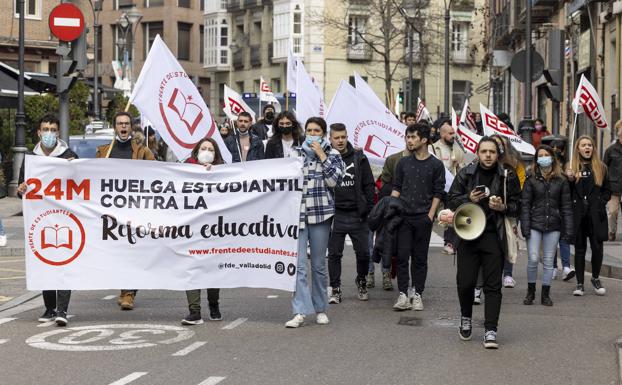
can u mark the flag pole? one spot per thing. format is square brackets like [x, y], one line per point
[571, 139]
[286, 100]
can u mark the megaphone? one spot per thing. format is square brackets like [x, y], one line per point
[469, 221]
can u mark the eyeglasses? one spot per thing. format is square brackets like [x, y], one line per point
[123, 124]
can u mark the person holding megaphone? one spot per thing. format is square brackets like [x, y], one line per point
[482, 183]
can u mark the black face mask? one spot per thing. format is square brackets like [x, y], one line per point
[285, 130]
[269, 117]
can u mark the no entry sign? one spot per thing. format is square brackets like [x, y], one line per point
[66, 22]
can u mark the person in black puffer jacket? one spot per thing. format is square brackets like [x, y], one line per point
[613, 161]
[546, 214]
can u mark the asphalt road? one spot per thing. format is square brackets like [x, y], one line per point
[365, 343]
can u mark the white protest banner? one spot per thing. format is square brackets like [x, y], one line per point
[378, 132]
[343, 108]
[265, 92]
[95, 224]
[493, 125]
[586, 100]
[234, 104]
[309, 99]
[166, 95]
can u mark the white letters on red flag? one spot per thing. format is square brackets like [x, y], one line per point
[466, 118]
[168, 98]
[422, 112]
[469, 139]
[234, 104]
[493, 125]
[265, 93]
[309, 99]
[587, 100]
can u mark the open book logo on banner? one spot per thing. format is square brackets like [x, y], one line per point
[180, 112]
[56, 237]
[377, 146]
[189, 113]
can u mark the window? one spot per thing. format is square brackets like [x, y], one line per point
[240, 86]
[276, 85]
[458, 94]
[150, 31]
[183, 41]
[184, 3]
[356, 28]
[202, 5]
[154, 3]
[32, 9]
[216, 42]
[297, 30]
[124, 3]
[202, 44]
[459, 40]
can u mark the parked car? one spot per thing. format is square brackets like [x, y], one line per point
[86, 145]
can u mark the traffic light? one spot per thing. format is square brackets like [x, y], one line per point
[73, 59]
[65, 77]
[78, 51]
[400, 96]
[469, 89]
[553, 87]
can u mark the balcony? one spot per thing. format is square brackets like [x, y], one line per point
[359, 52]
[238, 59]
[234, 5]
[461, 57]
[256, 55]
[541, 11]
[502, 29]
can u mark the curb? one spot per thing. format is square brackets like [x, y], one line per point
[12, 252]
[618, 345]
[20, 300]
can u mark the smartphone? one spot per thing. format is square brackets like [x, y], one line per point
[480, 188]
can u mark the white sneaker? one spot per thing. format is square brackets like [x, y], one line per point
[417, 302]
[402, 303]
[555, 271]
[322, 319]
[477, 299]
[508, 282]
[568, 273]
[448, 249]
[295, 322]
[2, 240]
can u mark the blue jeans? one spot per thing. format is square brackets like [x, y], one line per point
[549, 241]
[564, 253]
[307, 301]
[2, 228]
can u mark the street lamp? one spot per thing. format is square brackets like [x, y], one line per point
[128, 22]
[19, 149]
[409, 13]
[447, 21]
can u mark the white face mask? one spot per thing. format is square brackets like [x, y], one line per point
[205, 157]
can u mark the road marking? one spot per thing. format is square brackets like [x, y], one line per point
[11, 260]
[235, 323]
[12, 270]
[109, 297]
[129, 378]
[10, 278]
[190, 348]
[5, 320]
[212, 380]
[50, 323]
[3, 341]
[4, 298]
[273, 296]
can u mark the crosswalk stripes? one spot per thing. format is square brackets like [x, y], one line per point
[190, 348]
[5, 320]
[129, 378]
[235, 323]
[212, 380]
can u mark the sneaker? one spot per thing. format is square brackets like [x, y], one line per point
[127, 301]
[296, 322]
[49, 315]
[465, 328]
[402, 303]
[598, 288]
[61, 318]
[322, 319]
[417, 302]
[555, 272]
[568, 273]
[362, 288]
[448, 249]
[508, 281]
[194, 318]
[371, 281]
[490, 339]
[477, 298]
[335, 295]
[387, 284]
[2, 240]
[578, 291]
[214, 313]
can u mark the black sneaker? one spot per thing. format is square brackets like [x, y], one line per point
[61, 318]
[465, 328]
[214, 313]
[362, 289]
[598, 287]
[192, 319]
[48, 316]
[335, 295]
[490, 339]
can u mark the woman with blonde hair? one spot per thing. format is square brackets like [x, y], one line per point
[546, 215]
[590, 193]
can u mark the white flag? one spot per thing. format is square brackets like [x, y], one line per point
[466, 118]
[265, 93]
[586, 100]
[292, 68]
[234, 104]
[309, 99]
[167, 97]
[468, 138]
[422, 112]
[343, 108]
[493, 125]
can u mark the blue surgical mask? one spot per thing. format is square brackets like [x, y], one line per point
[311, 138]
[545, 161]
[48, 139]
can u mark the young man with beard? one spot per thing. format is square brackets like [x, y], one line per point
[354, 198]
[123, 147]
[263, 128]
[420, 184]
[489, 250]
[242, 143]
[56, 301]
[453, 159]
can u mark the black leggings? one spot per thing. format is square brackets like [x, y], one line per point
[580, 247]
